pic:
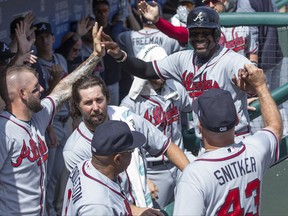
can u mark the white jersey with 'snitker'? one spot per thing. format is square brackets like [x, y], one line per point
[23, 155]
[228, 180]
[89, 192]
[216, 73]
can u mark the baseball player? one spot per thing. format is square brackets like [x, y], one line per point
[149, 34]
[161, 103]
[231, 173]
[90, 98]
[57, 134]
[23, 149]
[208, 66]
[94, 185]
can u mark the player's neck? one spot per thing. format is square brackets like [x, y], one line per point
[21, 113]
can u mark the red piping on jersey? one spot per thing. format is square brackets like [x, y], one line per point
[277, 146]
[225, 158]
[130, 187]
[40, 158]
[148, 34]
[100, 182]
[80, 132]
[54, 108]
[158, 71]
[163, 149]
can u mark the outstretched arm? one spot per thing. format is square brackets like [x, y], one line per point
[151, 13]
[62, 91]
[132, 65]
[176, 156]
[270, 113]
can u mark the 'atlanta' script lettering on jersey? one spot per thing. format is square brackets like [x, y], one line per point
[235, 170]
[160, 118]
[32, 152]
[236, 44]
[77, 189]
[147, 40]
[196, 88]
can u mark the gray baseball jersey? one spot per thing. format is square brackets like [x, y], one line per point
[89, 192]
[138, 39]
[229, 182]
[78, 146]
[23, 155]
[216, 73]
[163, 110]
[239, 40]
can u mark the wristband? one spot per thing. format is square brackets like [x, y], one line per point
[122, 58]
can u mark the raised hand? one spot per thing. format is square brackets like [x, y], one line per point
[150, 12]
[83, 27]
[99, 48]
[24, 45]
[112, 47]
[28, 20]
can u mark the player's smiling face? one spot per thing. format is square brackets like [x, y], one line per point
[202, 40]
[93, 106]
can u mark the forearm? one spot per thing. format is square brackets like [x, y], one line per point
[179, 33]
[176, 156]
[269, 110]
[139, 68]
[62, 91]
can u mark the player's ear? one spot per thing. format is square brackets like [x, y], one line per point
[22, 93]
[117, 159]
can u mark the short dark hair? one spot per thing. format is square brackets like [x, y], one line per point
[14, 23]
[85, 82]
[95, 3]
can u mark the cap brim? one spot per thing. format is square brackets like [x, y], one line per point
[138, 140]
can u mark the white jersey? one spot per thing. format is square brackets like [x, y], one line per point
[228, 180]
[163, 110]
[239, 40]
[89, 192]
[78, 147]
[138, 39]
[216, 73]
[23, 155]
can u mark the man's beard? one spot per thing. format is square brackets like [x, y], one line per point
[34, 105]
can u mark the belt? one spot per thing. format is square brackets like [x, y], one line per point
[61, 119]
[157, 163]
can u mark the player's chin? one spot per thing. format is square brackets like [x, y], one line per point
[202, 53]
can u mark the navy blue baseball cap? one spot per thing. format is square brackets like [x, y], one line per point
[114, 137]
[216, 110]
[5, 52]
[43, 27]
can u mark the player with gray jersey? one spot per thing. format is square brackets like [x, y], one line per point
[208, 66]
[231, 173]
[23, 148]
[136, 40]
[94, 186]
[90, 98]
[161, 103]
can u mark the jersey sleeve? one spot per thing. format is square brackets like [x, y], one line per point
[265, 145]
[189, 198]
[172, 66]
[156, 143]
[46, 115]
[5, 148]
[177, 32]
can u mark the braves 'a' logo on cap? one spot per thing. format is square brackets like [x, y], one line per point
[5, 47]
[199, 17]
[43, 27]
